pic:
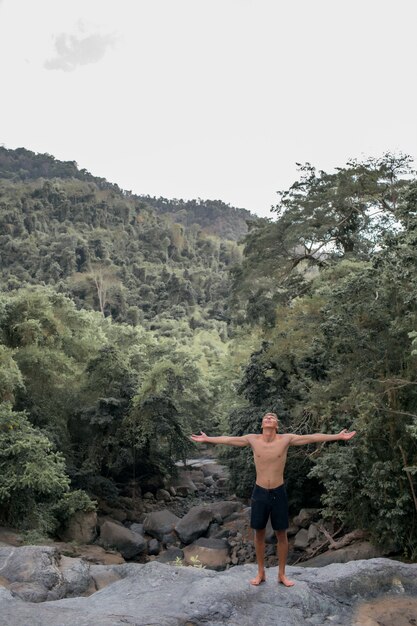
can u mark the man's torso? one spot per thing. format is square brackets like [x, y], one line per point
[270, 458]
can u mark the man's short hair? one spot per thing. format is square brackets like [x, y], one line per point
[271, 415]
[274, 415]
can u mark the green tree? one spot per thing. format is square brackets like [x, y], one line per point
[32, 474]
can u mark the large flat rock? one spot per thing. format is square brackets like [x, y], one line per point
[161, 595]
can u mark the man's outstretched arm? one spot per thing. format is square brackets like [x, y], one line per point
[301, 440]
[240, 442]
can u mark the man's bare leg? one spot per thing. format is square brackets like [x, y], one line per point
[282, 557]
[259, 540]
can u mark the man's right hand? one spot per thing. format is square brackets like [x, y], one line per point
[199, 438]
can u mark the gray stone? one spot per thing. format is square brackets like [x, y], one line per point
[81, 527]
[355, 552]
[160, 523]
[313, 533]
[39, 573]
[170, 539]
[208, 552]
[301, 539]
[170, 555]
[128, 543]
[137, 528]
[163, 495]
[305, 517]
[153, 547]
[224, 509]
[194, 524]
[29, 564]
[183, 484]
[161, 595]
[215, 469]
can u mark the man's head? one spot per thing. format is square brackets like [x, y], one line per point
[270, 420]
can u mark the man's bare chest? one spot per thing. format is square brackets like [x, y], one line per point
[269, 452]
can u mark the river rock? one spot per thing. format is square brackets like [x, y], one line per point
[354, 552]
[301, 539]
[81, 527]
[160, 523]
[171, 555]
[223, 509]
[208, 552]
[194, 524]
[39, 573]
[137, 528]
[183, 484]
[163, 495]
[153, 547]
[305, 517]
[215, 470]
[128, 543]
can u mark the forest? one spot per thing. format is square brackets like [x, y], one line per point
[128, 322]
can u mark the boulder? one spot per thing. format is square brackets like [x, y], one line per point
[301, 540]
[153, 547]
[194, 524]
[137, 528]
[39, 573]
[160, 523]
[223, 509]
[170, 539]
[76, 576]
[183, 484]
[171, 555]
[222, 483]
[215, 470]
[207, 552]
[29, 564]
[81, 527]
[354, 552]
[91, 553]
[102, 576]
[163, 595]
[163, 495]
[313, 533]
[305, 517]
[128, 543]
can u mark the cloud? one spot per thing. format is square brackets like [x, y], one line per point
[72, 51]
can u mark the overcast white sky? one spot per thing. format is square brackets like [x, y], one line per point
[208, 98]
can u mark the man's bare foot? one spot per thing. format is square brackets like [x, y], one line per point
[260, 578]
[285, 581]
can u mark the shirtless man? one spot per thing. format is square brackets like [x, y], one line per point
[269, 497]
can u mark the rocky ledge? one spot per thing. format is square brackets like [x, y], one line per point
[155, 594]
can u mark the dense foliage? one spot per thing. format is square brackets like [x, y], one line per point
[337, 346]
[127, 322]
[113, 323]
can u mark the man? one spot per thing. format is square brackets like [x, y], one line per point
[269, 497]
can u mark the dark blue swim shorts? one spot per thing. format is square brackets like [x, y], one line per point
[269, 502]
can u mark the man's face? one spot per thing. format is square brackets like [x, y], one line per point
[270, 421]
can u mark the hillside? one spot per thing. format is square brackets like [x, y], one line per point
[134, 258]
